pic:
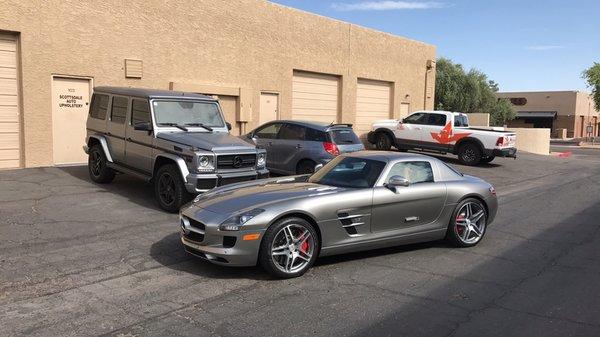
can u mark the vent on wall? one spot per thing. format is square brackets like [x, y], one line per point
[133, 68]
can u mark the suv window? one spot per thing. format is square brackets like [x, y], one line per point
[344, 136]
[118, 110]
[292, 132]
[436, 119]
[418, 118]
[415, 171]
[314, 135]
[461, 120]
[140, 111]
[268, 131]
[99, 106]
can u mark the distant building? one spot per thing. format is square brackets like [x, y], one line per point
[555, 110]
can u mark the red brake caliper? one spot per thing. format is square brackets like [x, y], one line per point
[460, 229]
[304, 246]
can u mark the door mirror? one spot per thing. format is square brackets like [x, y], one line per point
[318, 167]
[228, 126]
[143, 126]
[397, 181]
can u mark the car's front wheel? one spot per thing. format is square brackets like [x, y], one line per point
[468, 224]
[169, 188]
[289, 248]
[383, 142]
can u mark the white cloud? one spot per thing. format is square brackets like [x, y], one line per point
[544, 47]
[385, 5]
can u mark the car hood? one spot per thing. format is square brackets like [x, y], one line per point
[206, 140]
[229, 201]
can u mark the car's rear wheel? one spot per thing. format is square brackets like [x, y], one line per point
[97, 166]
[169, 188]
[289, 248]
[468, 224]
[469, 154]
[306, 167]
[383, 142]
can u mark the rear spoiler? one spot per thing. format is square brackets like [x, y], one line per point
[340, 124]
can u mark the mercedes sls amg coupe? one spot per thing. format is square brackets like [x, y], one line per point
[358, 201]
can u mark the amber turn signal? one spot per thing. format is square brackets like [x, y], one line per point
[250, 237]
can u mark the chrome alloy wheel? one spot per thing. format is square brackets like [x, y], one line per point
[292, 248]
[470, 222]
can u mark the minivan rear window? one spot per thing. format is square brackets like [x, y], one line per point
[344, 136]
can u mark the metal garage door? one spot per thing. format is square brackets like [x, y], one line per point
[10, 143]
[372, 103]
[315, 97]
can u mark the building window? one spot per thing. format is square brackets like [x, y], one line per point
[518, 101]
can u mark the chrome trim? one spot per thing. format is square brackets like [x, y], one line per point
[354, 224]
[352, 216]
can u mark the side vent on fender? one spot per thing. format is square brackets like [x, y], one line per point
[350, 222]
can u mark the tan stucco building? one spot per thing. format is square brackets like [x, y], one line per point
[264, 61]
[555, 110]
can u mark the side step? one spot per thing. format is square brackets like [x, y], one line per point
[126, 170]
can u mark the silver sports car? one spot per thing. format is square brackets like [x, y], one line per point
[358, 201]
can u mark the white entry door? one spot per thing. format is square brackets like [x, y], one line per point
[269, 104]
[70, 104]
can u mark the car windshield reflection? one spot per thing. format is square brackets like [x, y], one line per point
[349, 172]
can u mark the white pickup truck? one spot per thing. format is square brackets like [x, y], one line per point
[443, 132]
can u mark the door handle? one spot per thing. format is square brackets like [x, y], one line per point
[128, 139]
[418, 128]
[411, 218]
[109, 134]
[298, 146]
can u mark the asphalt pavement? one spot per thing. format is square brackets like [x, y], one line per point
[78, 258]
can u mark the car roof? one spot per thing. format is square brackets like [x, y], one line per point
[322, 126]
[151, 93]
[387, 156]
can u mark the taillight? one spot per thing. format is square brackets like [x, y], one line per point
[500, 141]
[331, 148]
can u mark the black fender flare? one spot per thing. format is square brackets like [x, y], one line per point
[469, 140]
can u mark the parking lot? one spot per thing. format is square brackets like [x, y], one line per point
[84, 259]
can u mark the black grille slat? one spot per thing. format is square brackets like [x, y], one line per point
[193, 236]
[228, 161]
[233, 180]
[197, 224]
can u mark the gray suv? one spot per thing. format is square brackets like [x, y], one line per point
[179, 141]
[297, 147]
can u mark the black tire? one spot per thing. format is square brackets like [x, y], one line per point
[169, 189]
[272, 237]
[455, 235]
[487, 159]
[470, 154]
[383, 142]
[97, 166]
[306, 166]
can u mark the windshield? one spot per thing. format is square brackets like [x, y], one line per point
[188, 113]
[349, 172]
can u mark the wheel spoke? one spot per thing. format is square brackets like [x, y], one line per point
[477, 216]
[289, 236]
[476, 230]
[468, 210]
[304, 255]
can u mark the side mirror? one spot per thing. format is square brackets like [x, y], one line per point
[143, 126]
[397, 181]
[318, 167]
[228, 126]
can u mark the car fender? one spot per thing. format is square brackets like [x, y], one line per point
[183, 169]
[469, 139]
[104, 145]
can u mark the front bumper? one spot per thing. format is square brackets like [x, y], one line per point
[507, 152]
[198, 183]
[226, 248]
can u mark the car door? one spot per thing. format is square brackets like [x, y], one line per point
[409, 131]
[435, 131]
[139, 151]
[412, 208]
[115, 127]
[289, 145]
[264, 137]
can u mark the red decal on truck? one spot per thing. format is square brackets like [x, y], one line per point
[446, 135]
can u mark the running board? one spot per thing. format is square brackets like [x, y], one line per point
[129, 171]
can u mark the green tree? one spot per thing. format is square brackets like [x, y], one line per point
[469, 91]
[592, 76]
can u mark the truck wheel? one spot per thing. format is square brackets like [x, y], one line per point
[169, 188]
[383, 142]
[99, 171]
[487, 159]
[469, 154]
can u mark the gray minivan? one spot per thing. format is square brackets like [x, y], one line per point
[296, 147]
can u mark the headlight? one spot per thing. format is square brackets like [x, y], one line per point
[261, 159]
[235, 222]
[205, 163]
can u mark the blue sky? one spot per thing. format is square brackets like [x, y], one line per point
[522, 45]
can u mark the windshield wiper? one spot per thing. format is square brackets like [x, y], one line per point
[208, 128]
[175, 125]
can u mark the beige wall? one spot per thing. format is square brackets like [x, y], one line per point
[479, 119]
[251, 45]
[533, 140]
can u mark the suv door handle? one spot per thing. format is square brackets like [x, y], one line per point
[109, 134]
[128, 139]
